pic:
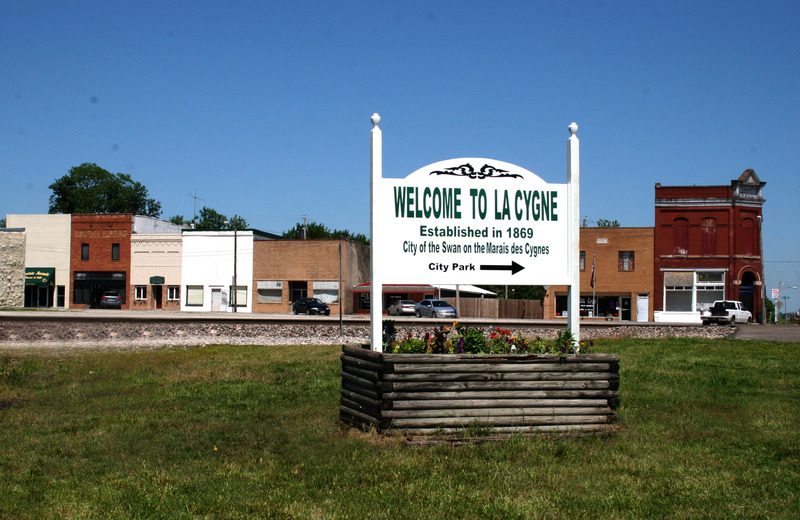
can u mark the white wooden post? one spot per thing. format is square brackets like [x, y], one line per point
[573, 177]
[376, 280]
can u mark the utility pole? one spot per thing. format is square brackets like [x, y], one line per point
[235, 241]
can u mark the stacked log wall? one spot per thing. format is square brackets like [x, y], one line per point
[423, 394]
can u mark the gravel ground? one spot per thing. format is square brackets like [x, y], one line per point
[98, 336]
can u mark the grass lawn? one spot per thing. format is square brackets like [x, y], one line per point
[708, 429]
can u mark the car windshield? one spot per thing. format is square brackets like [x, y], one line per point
[406, 302]
[314, 300]
[110, 294]
[441, 304]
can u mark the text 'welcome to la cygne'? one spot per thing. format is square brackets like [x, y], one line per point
[446, 203]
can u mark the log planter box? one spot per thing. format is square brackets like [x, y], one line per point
[425, 394]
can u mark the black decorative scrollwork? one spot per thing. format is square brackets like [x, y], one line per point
[466, 170]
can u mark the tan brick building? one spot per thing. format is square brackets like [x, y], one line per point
[156, 271]
[285, 270]
[622, 288]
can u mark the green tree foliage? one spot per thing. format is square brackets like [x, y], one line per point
[517, 292]
[2, 223]
[89, 188]
[178, 220]
[214, 220]
[602, 222]
[316, 230]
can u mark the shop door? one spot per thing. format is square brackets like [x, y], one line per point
[216, 300]
[625, 308]
[642, 307]
[298, 290]
[157, 296]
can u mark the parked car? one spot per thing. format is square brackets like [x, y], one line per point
[111, 300]
[436, 309]
[726, 311]
[311, 306]
[402, 307]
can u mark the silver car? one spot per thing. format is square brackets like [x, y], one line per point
[436, 309]
[401, 307]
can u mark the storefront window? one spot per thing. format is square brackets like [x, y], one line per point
[328, 292]
[194, 295]
[241, 295]
[688, 291]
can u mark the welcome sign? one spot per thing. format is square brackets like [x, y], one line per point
[473, 220]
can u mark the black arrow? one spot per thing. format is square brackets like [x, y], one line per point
[514, 268]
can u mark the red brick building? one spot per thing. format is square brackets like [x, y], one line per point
[707, 247]
[100, 257]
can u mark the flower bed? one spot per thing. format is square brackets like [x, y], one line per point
[503, 392]
[462, 339]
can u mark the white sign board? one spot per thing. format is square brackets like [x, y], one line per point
[776, 293]
[473, 220]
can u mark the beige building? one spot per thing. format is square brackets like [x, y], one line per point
[47, 258]
[156, 271]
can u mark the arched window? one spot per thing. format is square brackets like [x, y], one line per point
[748, 237]
[708, 236]
[680, 236]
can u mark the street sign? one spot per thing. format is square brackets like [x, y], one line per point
[776, 293]
[473, 221]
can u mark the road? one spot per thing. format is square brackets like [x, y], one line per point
[769, 332]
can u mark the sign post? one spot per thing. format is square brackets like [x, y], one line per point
[376, 238]
[473, 221]
[573, 177]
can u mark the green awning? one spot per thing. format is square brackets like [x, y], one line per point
[42, 276]
[157, 280]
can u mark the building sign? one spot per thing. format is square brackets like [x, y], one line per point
[473, 220]
[326, 286]
[42, 276]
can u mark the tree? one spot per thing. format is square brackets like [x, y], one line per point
[2, 223]
[89, 188]
[601, 222]
[178, 220]
[517, 292]
[314, 230]
[213, 220]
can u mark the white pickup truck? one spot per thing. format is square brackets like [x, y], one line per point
[726, 311]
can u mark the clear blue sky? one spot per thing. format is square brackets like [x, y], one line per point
[263, 108]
